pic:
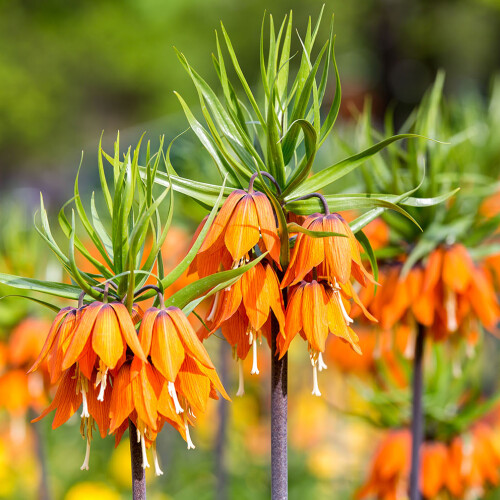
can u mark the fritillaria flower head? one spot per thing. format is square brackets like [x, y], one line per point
[246, 219]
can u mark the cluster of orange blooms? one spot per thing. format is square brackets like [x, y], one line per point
[20, 392]
[152, 368]
[318, 280]
[101, 364]
[448, 294]
[464, 467]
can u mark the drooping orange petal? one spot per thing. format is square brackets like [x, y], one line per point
[350, 290]
[122, 402]
[128, 329]
[457, 268]
[193, 384]
[315, 315]
[214, 380]
[60, 346]
[167, 351]
[146, 329]
[66, 401]
[433, 270]
[293, 318]
[221, 220]
[166, 407]
[225, 304]
[107, 341]
[99, 409]
[82, 333]
[242, 232]
[51, 336]
[145, 401]
[310, 251]
[188, 337]
[338, 249]
[275, 297]
[433, 468]
[235, 332]
[255, 296]
[267, 223]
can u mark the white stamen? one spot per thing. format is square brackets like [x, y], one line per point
[173, 395]
[145, 463]
[138, 435]
[410, 345]
[211, 316]
[190, 444]
[451, 310]
[347, 318]
[158, 471]
[102, 379]
[85, 408]
[241, 379]
[321, 363]
[255, 369]
[456, 368]
[315, 391]
[85, 465]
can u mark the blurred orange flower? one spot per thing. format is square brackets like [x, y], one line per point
[469, 465]
[448, 294]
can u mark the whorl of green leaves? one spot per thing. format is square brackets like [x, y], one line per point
[469, 158]
[279, 127]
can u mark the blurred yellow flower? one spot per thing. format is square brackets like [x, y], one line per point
[85, 490]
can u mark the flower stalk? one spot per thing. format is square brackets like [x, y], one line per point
[417, 417]
[279, 412]
[138, 471]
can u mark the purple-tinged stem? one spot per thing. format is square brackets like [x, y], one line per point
[417, 417]
[138, 472]
[279, 415]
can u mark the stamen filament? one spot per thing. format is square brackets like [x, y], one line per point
[158, 470]
[347, 318]
[190, 445]
[145, 463]
[85, 465]
[85, 407]
[321, 363]
[241, 379]
[255, 369]
[315, 391]
[173, 395]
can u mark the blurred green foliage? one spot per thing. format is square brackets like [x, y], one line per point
[71, 69]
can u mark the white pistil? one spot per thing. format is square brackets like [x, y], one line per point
[145, 463]
[85, 407]
[241, 379]
[173, 395]
[255, 369]
[315, 391]
[85, 465]
[101, 378]
[211, 316]
[451, 310]
[190, 444]
[321, 363]
[158, 471]
[347, 318]
[138, 435]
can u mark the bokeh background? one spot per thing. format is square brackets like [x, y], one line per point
[70, 70]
